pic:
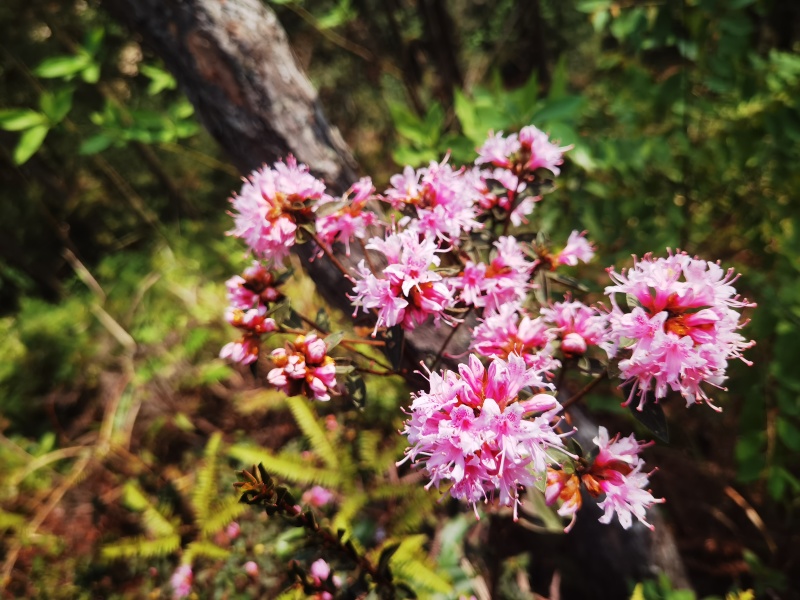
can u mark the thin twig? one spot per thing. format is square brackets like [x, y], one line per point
[331, 256]
[586, 389]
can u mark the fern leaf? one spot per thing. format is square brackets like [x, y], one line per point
[204, 548]
[407, 567]
[308, 423]
[368, 442]
[156, 520]
[205, 487]
[143, 547]
[222, 514]
[290, 468]
[293, 593]
[349, 509]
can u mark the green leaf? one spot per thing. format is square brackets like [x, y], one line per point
[205, 487]
[223, 513]
[651, 416]
[93, 40]
[789, 434]
[57, 105]
[29, 143]
[18, 119]
[310, 426]
[91, 74]
[142, 547]
[63, 66]
[206, 549]
[291, 468]
[160, 79]
[332, 340]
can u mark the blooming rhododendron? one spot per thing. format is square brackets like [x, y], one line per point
[411, 291]
[683, 328]
[351, 220]
[320, 572]
[577, 325]
[528, 151]
[268, 205]
[181, 581]
[577, 249]
[615, 472]
[472, 429]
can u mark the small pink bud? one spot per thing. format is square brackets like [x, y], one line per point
[315, 349]
[251, 568]
[233, 530]
[573, 344]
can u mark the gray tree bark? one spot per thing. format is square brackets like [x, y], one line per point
[233, 61]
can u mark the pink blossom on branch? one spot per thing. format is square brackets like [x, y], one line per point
[350, 221]
[410, 290]
[472, 430]
[683, 327]
[269, 204]
[304, 367]
[577, 249]
[577, 326]
[181, 581]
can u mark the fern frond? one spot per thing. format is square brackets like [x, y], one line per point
[293, 593]
[205, 486]
[348, 509]
[143, 547]
[368, 442]
[286, 466]
[11, 520]
[407, 567]
[204, 548]
[221, 514]
[310, 426]
[156, 520]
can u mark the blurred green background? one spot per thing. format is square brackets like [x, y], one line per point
[685, 122]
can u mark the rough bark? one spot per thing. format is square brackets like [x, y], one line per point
[233, 61]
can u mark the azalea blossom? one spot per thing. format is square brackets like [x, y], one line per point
[526, 152]
[616, 474]
[255, 286]
[472, 430]
[410, 290]
[578, 326]
[509, 331]
[445, 200]
[268, 205]
[350, 221]
[504, 280]
[304, 366]
[317, 496]
[682, 329]
[577, 249]
[320, 572]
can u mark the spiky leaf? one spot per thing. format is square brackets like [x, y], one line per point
[291, 468]
[310, 426]
[142, 547]
[205, 487]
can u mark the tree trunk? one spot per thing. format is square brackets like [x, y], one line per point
[233, 61]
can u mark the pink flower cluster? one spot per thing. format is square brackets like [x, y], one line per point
[471, 429]
[304, 366]
[577, 326]
[269, 204]
[410, 290]
[248, 296]
[683, 327]
[352, 219]
[578, 248]
[510, 331]
[504, 280]
[523, 153]
[322, 576]
[615, 473]
[445, 200]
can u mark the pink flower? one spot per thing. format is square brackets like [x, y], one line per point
[444, 200]
[472, 430]
[181, 581]
[317, 496]
[682, 329]
[410, 292]
[503, 333]
[257, 286]
[577, 249]
[538, 152]
[320, 572]
[577, 325]
[251, 568]
[351, 220]
[504, 280]
[498, 150]
[244, 351]
[615, 473]
[268, 205]
[304, 367]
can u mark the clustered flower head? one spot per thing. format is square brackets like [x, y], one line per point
[304, 366]
[473, 430]
[577, 326]
[350, 221]
[269, 205]
[523, 153]
[256, 286]
[445, 200]
[615, 473]
[578, 248]
[255, 324]
[682, 329]
[410, 290]
[503, 280]
[510, 331]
